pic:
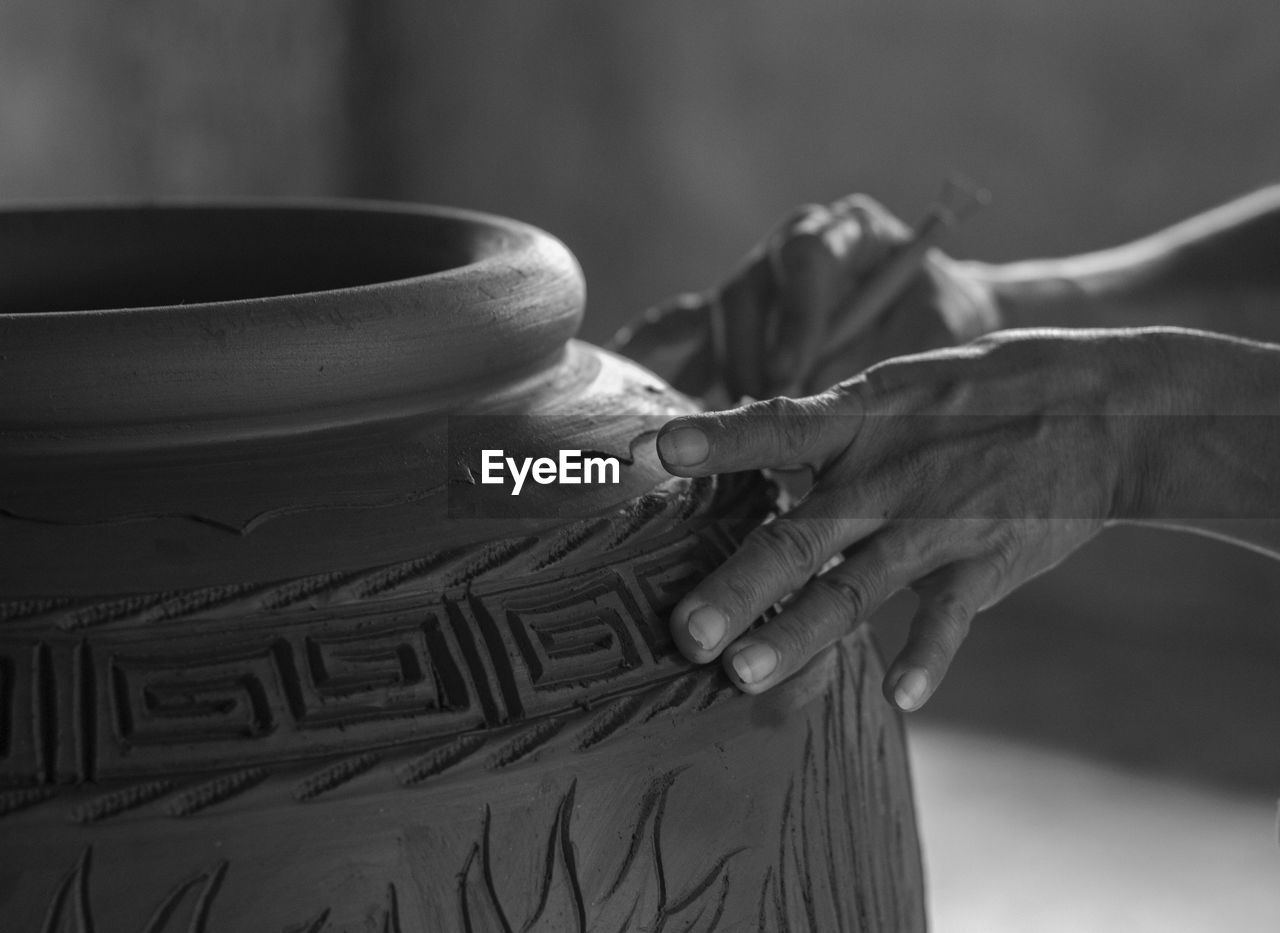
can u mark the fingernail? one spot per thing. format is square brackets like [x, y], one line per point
[910, 690]
[754, 663]
[683, 447]
[707, 626]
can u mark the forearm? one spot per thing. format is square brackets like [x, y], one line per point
[1209, 461]
[1218, 271]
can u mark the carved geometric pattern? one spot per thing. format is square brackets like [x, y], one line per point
[432, 697]
[841, 856]
[21, 719]
[576, 730]
[180, 698]
[337, 665]
[307, 688]
[202, 702]
[662, 578]
[370, 673]
[7, 679]
[574, 635]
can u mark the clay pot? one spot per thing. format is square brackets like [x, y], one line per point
[272, 659]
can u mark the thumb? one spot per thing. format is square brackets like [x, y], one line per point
[780, 433]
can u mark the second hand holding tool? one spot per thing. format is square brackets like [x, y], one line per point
[959, 199]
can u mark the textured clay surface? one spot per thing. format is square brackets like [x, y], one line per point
[272, 660]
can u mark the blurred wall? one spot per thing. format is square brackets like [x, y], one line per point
[658, 139]
[661, 139]
[143, 98]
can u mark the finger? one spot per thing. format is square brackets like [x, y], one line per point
[824, 611]
[776, 433]
[880, 234]
[740, 316]
[810, 268]
[772, 562]
[949, 599]
[879, 230]
[749, 308]
[898, 333]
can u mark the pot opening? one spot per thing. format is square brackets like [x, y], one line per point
[83, 259]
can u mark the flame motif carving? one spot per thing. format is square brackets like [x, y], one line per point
[831, 843]
[639, 897]
[185, 909]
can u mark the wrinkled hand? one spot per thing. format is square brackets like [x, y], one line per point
[767, 329]
[959, 474]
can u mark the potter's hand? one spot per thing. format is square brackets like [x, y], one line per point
[960, 474]
[767, 329]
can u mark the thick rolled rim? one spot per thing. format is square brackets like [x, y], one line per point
[508, 305]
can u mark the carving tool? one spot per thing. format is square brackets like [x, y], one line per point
[684, 342]
[960, 198]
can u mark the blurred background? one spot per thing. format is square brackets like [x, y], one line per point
[1105, 753]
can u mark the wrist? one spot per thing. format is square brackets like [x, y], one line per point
[968, 304]
[1201, 442]
[1142, 411]
[1030, 294]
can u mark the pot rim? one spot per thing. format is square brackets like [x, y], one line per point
[509, 307]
